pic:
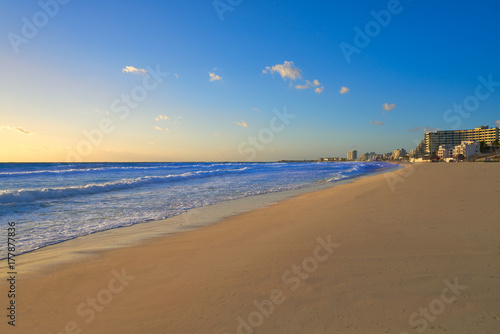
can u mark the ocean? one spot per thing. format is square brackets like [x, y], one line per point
[54, 202]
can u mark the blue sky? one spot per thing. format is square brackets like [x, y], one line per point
[419, 60]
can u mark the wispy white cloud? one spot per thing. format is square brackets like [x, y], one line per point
[287, 70]
[243, 124]
[310, 84]
[344, 90]
[497, 123]
[306, 86]
[319, 90]
[214, 77]
[134, 70]
[176, 75]
[255, 109]
[160, 117]
[177, 119]
[17, 129]
[161, 129]
[389, 107]
[378, 123]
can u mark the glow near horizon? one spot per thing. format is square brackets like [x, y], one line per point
[226, 78]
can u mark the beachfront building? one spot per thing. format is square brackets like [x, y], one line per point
[432, 140]
[352, 155]
[336, 159]
[387, 156]
[467, 149]
[368, 156]
[445, 151]
[399, 154]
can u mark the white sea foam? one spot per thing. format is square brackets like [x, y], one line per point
[31, 195]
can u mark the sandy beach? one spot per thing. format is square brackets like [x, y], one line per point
[411, 251]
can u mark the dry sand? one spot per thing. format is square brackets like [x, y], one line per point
[419, 245]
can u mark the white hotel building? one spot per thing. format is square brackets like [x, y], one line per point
[432, 140]
[445, 151]
[466, 148]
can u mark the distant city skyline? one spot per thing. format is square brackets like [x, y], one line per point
[257, 81]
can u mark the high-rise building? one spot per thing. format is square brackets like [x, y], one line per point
[432, 140]
[371, 156]
[352, 155]
[400, 153]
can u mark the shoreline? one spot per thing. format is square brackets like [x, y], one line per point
[125, 236]
[361, 257]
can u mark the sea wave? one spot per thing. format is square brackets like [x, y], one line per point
[82, 169]
[31, 195]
